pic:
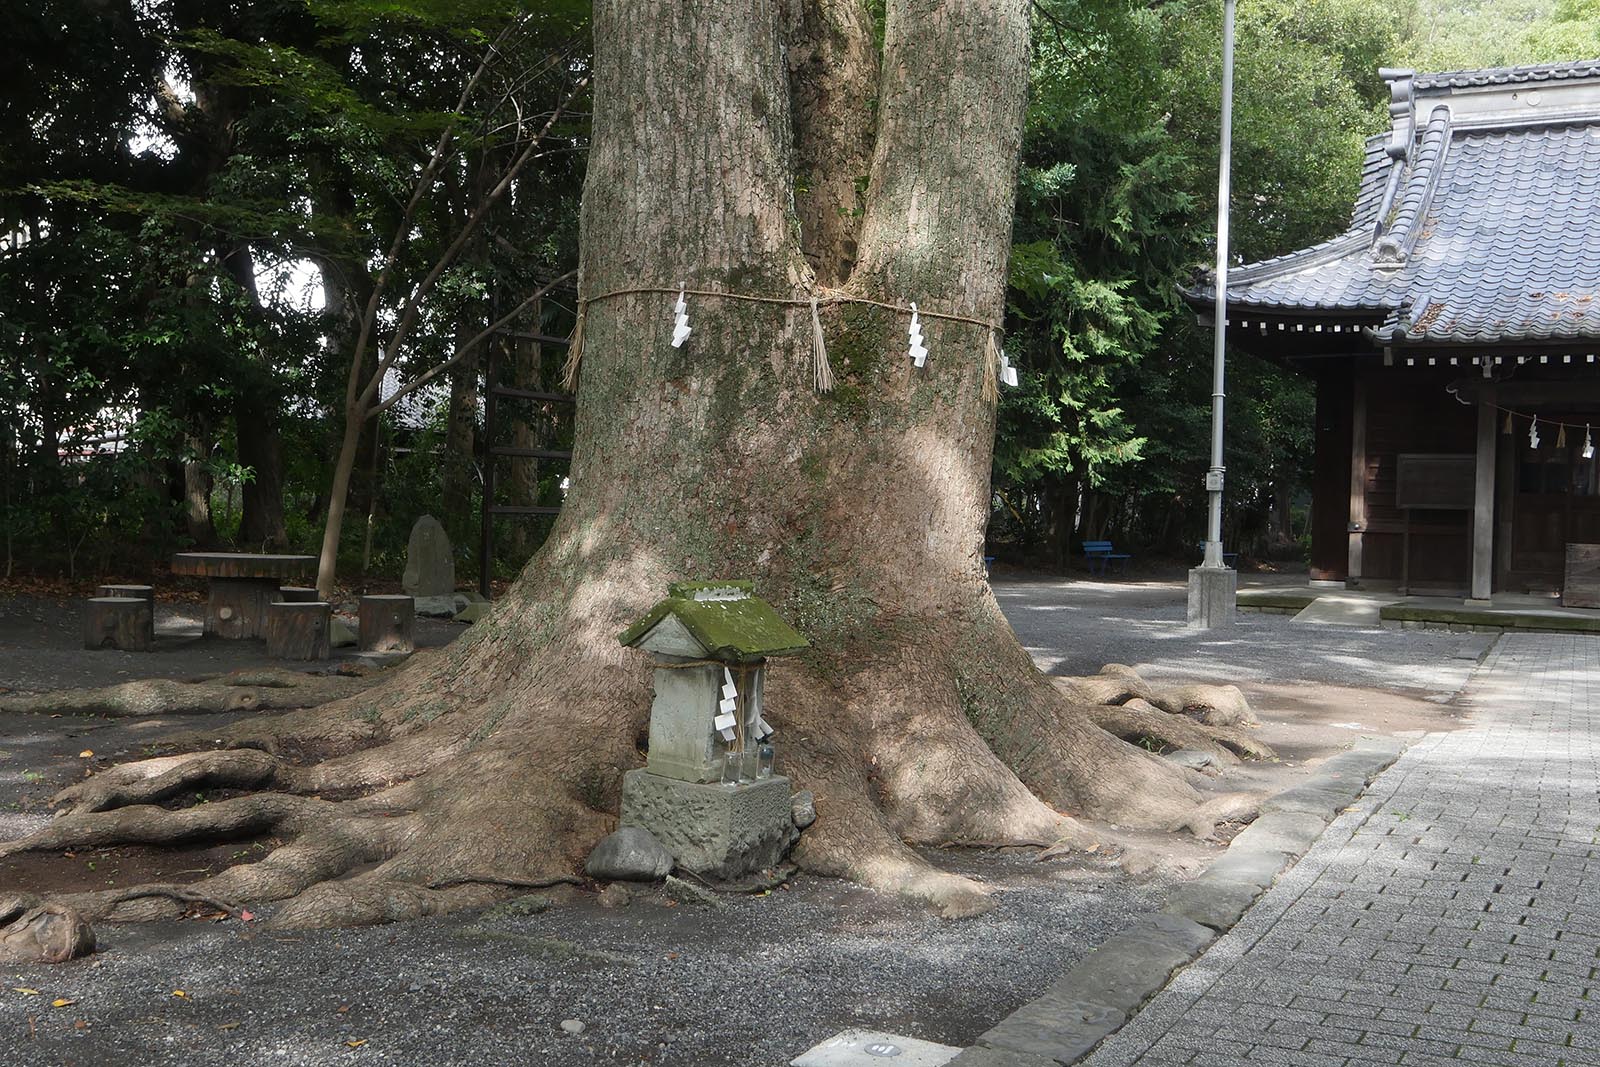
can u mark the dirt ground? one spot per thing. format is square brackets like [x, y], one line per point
[657, 981]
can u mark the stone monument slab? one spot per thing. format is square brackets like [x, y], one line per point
[430, 567]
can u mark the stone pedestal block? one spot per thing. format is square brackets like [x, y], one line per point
[1213, 597]
[714, 830]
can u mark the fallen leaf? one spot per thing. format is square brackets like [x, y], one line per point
[180, 993]
[25, 991]
[86, 753]
[247, 916]
[81, 1024]
[343, 1008]
[61, 1002]
[356, 1042]
[228, 1026]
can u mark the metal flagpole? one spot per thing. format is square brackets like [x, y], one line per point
[1220, 350]
[1212, 586]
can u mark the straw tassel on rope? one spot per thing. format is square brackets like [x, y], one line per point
[569, 370]
[819, 352]
[991, 368]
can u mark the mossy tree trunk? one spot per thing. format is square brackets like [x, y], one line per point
[751, 148]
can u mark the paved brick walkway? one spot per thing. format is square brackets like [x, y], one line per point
[1452, 916]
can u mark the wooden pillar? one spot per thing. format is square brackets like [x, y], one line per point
[1483, 499]
[298, 630]
[386, 623]
[1358, 477]
[1330, 481]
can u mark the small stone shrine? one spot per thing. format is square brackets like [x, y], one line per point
[707, 790]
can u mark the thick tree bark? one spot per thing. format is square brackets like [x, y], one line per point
[1061, 503]
[915, 717]
[530, 423]
[255, 418]
[196, 494]
[461, 431]
[261, 522]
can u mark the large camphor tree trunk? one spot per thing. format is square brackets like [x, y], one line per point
[731, 138]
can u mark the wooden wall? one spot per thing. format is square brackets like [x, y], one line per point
[1395, 410]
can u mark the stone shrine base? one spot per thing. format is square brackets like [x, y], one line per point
[719, 831]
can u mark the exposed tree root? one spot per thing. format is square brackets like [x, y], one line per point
[1214, 705]
[31, 932]
[143, 824]
[442, 792]
[1139, 721]
[243, 691]
[1202, 822]
[154, 780]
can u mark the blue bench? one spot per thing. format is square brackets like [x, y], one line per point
[1101, 555]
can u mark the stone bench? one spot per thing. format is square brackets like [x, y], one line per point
[298, 630]
[121, 622]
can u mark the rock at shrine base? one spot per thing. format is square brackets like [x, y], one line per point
[713, 830]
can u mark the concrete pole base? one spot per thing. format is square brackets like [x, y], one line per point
[1213, 597]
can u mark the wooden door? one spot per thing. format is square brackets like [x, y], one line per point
[1555, 501]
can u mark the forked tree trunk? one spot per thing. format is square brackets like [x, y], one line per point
[916, 717]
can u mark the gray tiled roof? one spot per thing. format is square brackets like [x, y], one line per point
[1543, 72]
[1494, 237]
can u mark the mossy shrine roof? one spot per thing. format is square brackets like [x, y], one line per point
[1476, 222]
[724, 618]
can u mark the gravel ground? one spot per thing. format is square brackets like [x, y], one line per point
[751, 985]
[1075, 627]
[655, 982]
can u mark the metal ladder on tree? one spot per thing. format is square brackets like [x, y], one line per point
[494, 392]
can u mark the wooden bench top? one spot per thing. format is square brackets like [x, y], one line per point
[241, 565]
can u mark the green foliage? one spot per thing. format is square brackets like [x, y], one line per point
[168, 170]
[1116, 202]
[1459, 34]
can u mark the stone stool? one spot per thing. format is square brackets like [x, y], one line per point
[298, 594]
[299, 630]
[387, 623]
[122, 622]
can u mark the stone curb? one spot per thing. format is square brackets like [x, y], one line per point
[1091, 1002]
